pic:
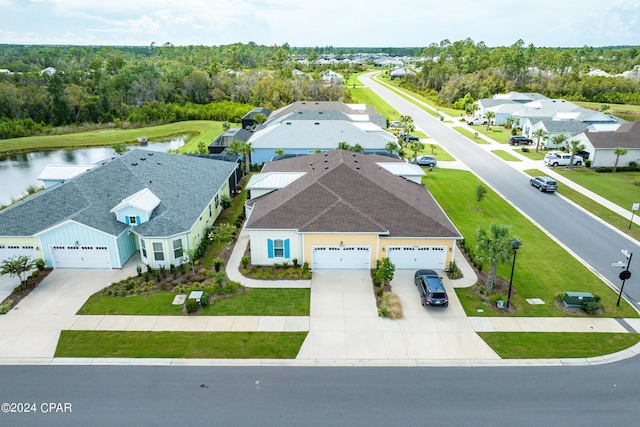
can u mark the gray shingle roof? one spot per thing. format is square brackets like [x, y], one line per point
[184, 184]
[353, 194]
[626, 136]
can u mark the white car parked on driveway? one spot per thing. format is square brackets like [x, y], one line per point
[558, 158]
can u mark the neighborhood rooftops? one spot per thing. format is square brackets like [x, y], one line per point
[183, 184]
[343, 191]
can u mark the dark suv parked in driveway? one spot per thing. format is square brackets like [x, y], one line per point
[431, 288]
[520, 139]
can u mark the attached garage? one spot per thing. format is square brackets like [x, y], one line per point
[80, 256]
[416, 257]
[9, 251]
[341, 257]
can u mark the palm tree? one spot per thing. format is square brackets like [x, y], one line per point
[416, 146]
[279, 152]
[540, 134]
[574, 147]
[357, 148]
[618, 151]
[391, 147]
[344, 145]
[494, 247]
[559, 140]
[490, 115]
[247, 149]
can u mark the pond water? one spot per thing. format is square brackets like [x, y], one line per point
[20, 171]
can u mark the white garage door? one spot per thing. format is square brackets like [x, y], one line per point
[80, 257]
[416, 257]
[9, 251]
[341, 258]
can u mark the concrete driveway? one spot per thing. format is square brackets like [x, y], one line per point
[32, 328]
[344, 324]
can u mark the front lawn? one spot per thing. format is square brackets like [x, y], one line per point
[369, 97]
[543, 270]
[464, 132]
[505, 155]
[617, 187]
[253, 302]
[497, 133]
[190, 345]
[547, 345]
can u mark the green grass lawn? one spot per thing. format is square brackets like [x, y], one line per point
[254, 302]
[369, 97]
[497, 133]
[206, 345]
[547, 345]
[197, 130]
[543, 270]
[617, 187]
[619, 222]
[469, 135]
[505, 155]
[531, 153]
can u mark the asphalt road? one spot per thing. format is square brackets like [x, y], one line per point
[284, 396]
[596, 244]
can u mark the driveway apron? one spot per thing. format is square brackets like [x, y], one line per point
[344, 323]
[32, 328]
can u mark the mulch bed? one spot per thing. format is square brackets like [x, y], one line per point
[32, 282]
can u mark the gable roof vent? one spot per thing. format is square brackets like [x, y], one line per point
[134, 164]
[149, 154]
[316, 123]
[326, 167]
[288, 123]
[143, 158]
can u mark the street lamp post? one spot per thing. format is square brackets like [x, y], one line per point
[626, 274]
[515, 244]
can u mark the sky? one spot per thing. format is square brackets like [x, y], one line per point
[311, 23]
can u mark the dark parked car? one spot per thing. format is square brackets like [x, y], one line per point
[431, 288]
[544, 183]
[520, 139]
[407, 137]
[427, 161]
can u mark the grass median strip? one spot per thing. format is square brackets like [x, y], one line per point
[551, 345]
[544, 269]
[188, 345]
[504, 155]
[472, 136]
[254, 302]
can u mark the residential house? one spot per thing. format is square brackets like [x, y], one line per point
[307, 132]
[330, 77]
[151, 203]
[344, 210]
[600, 142]
[219, 144]
[249, 122]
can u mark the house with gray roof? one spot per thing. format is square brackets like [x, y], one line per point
[600, 142]
[151, 203]
[344, 210]
[220, 144]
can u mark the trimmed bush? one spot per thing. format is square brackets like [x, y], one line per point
[6, 306]
[191, 305]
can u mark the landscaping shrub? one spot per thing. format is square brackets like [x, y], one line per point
[636, 181]
[391, 306]
[218, 263]
[204, 300]
[40, 265]
[191, 305]
[591, 306]
[497, 296]
[6, 306]
[454, 271]
[245, 261]
[225, 201]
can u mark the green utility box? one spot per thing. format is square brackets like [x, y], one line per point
[576, 299]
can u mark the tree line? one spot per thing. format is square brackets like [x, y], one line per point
[449, 71]
[161, 84]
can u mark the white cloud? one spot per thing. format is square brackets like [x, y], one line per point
[320, 23]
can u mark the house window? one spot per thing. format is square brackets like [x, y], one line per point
[143, 246]
[217, 200]
[177, 248]
[278, 248]
[158, 253]
[132, 220]
[210, 214]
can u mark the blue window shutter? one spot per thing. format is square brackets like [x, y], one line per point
[126, 219]
[137, 219]
[270, 247]
[286, 248]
